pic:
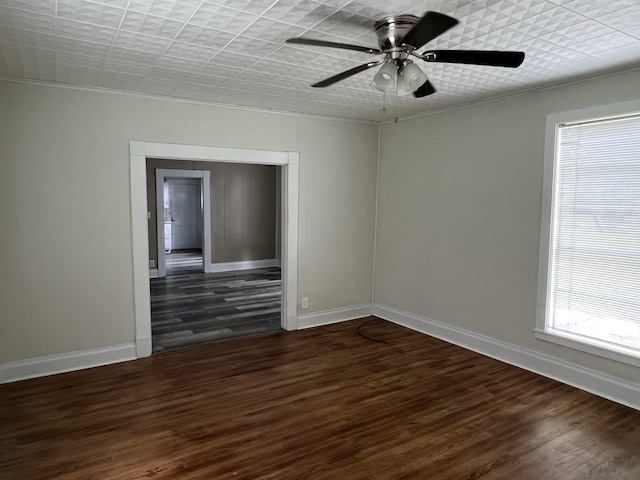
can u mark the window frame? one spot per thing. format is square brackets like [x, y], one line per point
[541, 330]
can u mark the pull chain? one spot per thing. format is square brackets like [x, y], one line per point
[397, 85]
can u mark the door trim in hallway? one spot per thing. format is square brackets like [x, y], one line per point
[139, 151]
[204, 175]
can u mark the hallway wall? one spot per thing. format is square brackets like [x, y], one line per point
[243, 209]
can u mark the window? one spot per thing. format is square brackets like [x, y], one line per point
[589, 279]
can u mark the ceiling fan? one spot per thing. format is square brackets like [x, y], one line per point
[400, 37]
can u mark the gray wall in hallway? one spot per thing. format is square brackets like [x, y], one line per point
[243, 209]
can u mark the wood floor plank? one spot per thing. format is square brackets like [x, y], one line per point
[190, 307]
[321, 403]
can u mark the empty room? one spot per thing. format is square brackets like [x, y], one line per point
[453, 216]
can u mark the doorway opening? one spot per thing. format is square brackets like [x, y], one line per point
[182, 225]
[217, 249]
[289, 177]
[181, 219]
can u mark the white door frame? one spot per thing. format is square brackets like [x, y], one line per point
[139, 152]
[204, 175]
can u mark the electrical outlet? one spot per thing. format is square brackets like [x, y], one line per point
[305, 303]
[152, 264]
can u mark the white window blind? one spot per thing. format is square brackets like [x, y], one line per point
[594, 275]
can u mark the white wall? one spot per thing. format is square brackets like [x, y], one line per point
[65, 228]
[459, 214]
[458, 224]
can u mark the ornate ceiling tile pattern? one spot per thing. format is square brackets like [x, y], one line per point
[232, 52]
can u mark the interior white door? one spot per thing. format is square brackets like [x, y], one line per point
[184, 209]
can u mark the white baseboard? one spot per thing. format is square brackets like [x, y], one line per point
[603, 385]
[245, 265]
[65, 362]
[153, 273]
[333, 316]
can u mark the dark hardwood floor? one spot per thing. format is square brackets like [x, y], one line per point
[322, 403]
[189, 307]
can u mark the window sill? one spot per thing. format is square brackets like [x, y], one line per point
[619, 354]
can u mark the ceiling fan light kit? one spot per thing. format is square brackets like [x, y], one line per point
[399, 38]
[402, 79]
[413, 75]
[386, 78]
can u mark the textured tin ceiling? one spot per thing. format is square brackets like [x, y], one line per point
[233, 52]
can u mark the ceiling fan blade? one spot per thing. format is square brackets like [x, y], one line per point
[425, 89]
[430, 26]
[476, 57]
[324, 43]
[346, 74]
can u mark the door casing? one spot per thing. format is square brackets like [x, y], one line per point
[139, 151]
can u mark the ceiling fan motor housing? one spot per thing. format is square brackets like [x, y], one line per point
[390, 31]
